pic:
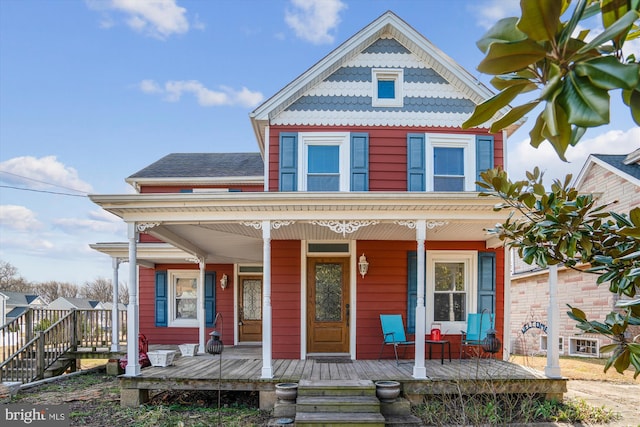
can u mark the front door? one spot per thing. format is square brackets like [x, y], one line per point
[328, 305]
[250, 309]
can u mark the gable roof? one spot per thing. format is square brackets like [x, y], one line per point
[81, 303]
[20, 299]
[386, 26]
[202, 168]
[625, 166]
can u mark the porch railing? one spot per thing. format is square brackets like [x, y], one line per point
[34, 341]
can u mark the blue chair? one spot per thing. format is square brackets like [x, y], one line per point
[477, 326]
[393, 334]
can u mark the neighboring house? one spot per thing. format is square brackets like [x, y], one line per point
[360, 201]
[611, 178]
[65, 303]
[3, 308]
[18, 302]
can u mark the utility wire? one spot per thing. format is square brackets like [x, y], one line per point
[42, 182]
[43, 191]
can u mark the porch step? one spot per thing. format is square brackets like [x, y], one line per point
[330, 403]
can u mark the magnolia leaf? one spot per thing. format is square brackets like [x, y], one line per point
[512, 116]
[585, 104]
[505, 81]
[540, 18]
[535, 135]
[612, 10]
[622, 362]
[503, 58]
[577, 132]
[504, 30]
[485, 111]
[608, 348]
[622, 25]
[557, 121]
[607, 72]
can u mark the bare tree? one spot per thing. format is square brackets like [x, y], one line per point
[11, 281]
[52, 290]
[123, 294]
[98, 290]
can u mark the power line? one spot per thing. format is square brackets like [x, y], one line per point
[42, 182]
[43, 191]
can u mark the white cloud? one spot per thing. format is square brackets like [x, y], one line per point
[174, 89]
[99, 221]
[155, 18]
[18, 218]
[491, 11]
[43, 174]
[523, 157]
[313, 20]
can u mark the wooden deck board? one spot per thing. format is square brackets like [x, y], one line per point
[237, 373]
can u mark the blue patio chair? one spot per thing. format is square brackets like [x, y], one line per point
[393, 334]
[477, 326]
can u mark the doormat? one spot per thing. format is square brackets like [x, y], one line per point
[332, 360]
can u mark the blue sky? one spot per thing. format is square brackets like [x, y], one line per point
[92, 91]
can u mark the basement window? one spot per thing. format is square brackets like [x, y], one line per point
[588, 347]
[544, 346]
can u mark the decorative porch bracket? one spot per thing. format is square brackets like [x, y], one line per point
[429, 224]
[344, 227]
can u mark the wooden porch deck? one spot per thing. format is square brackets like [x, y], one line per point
[239, 368]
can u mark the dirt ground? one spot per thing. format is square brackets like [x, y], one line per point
[589, 382]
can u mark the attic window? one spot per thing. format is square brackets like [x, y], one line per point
[387, 87]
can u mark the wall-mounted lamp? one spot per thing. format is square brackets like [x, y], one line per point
[224, 281]
[363, 265]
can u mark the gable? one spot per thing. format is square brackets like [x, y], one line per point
[346, 96]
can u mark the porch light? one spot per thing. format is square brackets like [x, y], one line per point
[214, 345]
[363, 265]
[224, 281]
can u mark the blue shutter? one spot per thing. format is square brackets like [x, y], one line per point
[288, 161]
[486, 281]
[412, 290]
[484, 155]
[359, 162]
[209, 297]
[415, 162]
[161, 298]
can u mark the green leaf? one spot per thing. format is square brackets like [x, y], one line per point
[485, 111]
[568, 29]
[504, 30]
[508, 80]
[607, 72]
[621, 25]
[585, 104]
[540, 18]
[504, 58]
[512, 116]
[608, 348]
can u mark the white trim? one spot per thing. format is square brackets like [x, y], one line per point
[353, 288]
[387, 74]
[265, 178]
[591, 160]
[574, 350]
[466, 142]
[303, 299]
[341, 139]
[172, 322]
[469, 258]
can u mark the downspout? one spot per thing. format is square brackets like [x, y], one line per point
[133, 365]
[419, 369]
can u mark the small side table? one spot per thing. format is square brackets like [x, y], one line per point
[442, 344]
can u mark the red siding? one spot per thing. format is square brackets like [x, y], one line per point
[285, 298]
[387, 152]
[169, 335]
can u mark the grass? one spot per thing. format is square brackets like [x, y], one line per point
[578, 368]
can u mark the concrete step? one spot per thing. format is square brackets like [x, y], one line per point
[336, 388]
[317, 419]
[355, 404]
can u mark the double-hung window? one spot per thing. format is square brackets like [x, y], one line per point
[451, 287]
[325, 159]
[183, 298]
[451, 158]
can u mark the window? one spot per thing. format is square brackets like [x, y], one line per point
[452, 160]
[451, 287]
[183, 298]
[325, 159]
[584, 347]
[544, 344]
[387, 88]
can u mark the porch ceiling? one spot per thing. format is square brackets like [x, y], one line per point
[226, 228]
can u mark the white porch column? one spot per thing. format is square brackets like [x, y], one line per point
[115, 318]
[133, 365]
[419, 370]
[267, 368]
[506, 333]
[552, 370]
[202, 323]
